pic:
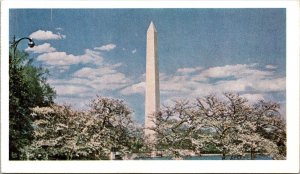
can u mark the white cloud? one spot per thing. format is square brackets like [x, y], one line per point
[270, 85]
[133, 51]
[186, 84]
[88, 72]
[189, 70]
[89, 87]
[104, 77]
[238, 85]
[133, 89]
[62, 58]
[107, 47]
[191, 82]
[117, 78]
[252, 98]
[58, 68]
[174, 84]
[244, 77]
[44, 48]
[94, 77]
[271, 67]
[65, 82]
[59, 29]
[110, 81]
[77, 103]
[215, 80]
[69, 89]
[237, 71]
[46, 35]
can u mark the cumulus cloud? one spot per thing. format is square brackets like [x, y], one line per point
[63, 59]
[176, 84]
[92, 77]
[103, 83]
[252, 98]
[271, 85]
[236, 71]
[109, 81]
[59, 29]
[271, 67]
[71, 89]
[188, 70]
[196, 82]
[87, 74]
[116, 78]
[133, 89]
[91, 80]
[69, 81]
[46, 35]
[248, 80]
[44, 48]
[96, 72]
[237, 85]
[133, 51]
[107, 47]
[76, 102]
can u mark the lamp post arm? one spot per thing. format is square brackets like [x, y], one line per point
[15, 43]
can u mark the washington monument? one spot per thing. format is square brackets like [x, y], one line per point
[152, 101]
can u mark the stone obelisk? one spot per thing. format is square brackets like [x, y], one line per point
[152, 101]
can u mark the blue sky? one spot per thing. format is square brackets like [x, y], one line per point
[102, 52]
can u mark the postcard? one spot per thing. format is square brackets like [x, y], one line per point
[150, 86]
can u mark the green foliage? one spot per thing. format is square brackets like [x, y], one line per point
[27, 89]
[210, 149]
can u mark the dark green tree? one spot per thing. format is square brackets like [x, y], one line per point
[27, 88]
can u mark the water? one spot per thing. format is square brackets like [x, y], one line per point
[205, 157]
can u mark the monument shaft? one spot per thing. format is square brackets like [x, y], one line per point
[152, 98]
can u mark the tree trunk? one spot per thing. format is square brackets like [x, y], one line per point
[252, 154]
[223, 154]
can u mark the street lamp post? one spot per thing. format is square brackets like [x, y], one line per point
[15, 43]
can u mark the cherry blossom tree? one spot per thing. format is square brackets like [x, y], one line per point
[229, 122]
[55, 129]
[62, 133]
[180, 130]
[117, 128]
[173, 129]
